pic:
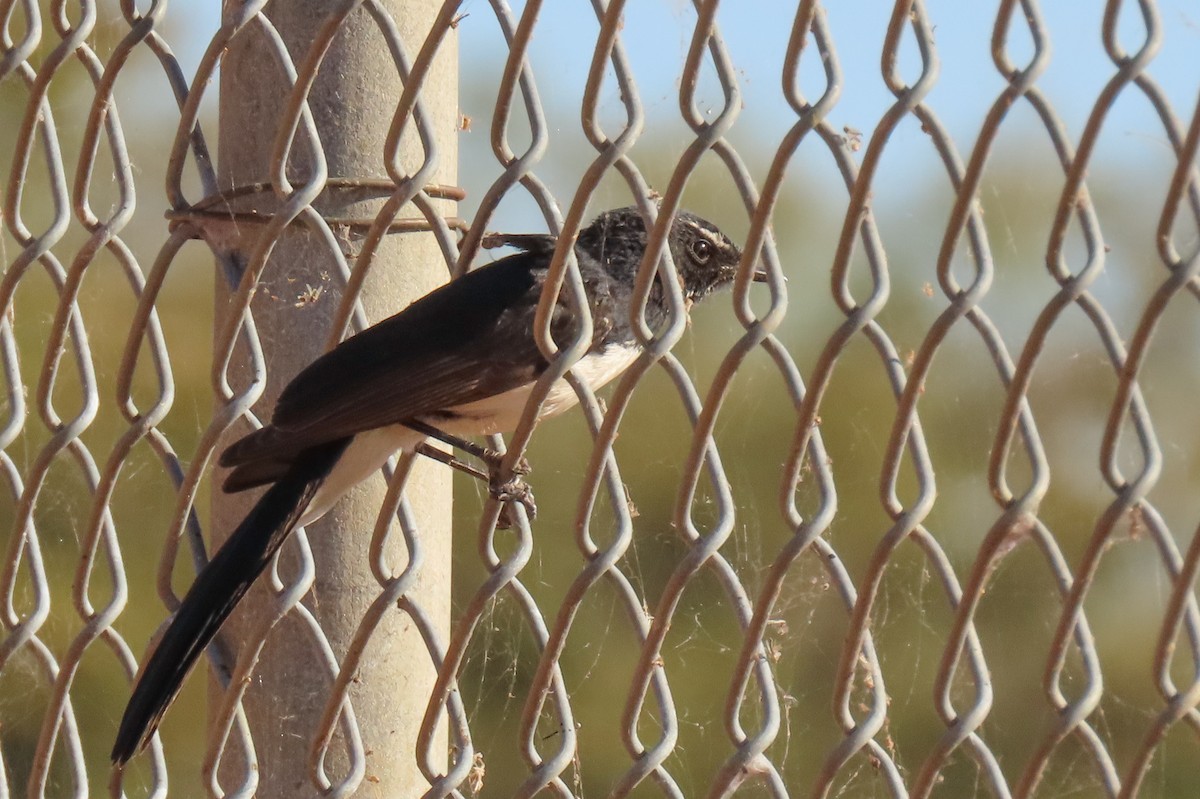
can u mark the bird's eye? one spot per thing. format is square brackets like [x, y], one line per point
[702, 250]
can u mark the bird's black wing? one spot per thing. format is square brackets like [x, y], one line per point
[470, 339]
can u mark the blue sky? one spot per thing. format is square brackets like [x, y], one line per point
[657, 34]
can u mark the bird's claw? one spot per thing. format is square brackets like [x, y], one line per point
[508, 492]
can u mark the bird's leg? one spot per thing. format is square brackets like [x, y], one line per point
[488, 455]
[512, 490]
[454, 463]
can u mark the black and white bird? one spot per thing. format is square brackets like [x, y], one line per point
[459, 362]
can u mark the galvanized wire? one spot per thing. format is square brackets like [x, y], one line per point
[40, 45]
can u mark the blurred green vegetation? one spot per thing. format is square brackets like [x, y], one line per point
[1070, 396]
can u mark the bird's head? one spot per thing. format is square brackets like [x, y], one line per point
[705, 258]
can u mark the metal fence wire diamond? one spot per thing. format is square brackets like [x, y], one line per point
[914, 518]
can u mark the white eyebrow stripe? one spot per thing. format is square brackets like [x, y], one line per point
[713, 237]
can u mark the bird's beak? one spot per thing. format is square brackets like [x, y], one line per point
[760, 275]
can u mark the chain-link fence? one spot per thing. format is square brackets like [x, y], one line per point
[914, 518]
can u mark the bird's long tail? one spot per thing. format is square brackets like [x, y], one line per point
[217, 590]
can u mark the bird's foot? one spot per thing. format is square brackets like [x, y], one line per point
[513, 490]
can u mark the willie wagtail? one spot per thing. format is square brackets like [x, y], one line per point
[458, 362]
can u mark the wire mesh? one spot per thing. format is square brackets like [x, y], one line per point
[755, 606]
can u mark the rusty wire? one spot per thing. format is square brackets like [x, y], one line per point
[37, 43]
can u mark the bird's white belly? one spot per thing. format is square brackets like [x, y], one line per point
[502, 413]
[499, 414]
